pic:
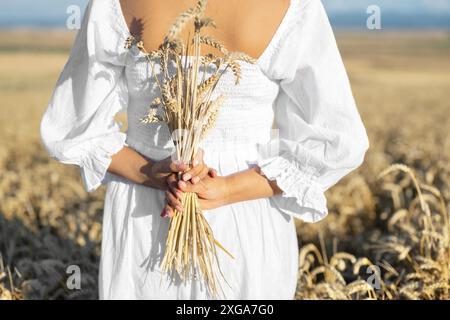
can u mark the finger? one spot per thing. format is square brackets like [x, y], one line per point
[172, 180]
[177, 166]
[171, 212]
[170, 165]
[173, 201]
[212, 172]
[201, 175]
[166, 211]
[176, 193]
[188, 186]
[188, 175]
[172, 183]
[197, 166]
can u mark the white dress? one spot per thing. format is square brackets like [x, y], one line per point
[299, 85]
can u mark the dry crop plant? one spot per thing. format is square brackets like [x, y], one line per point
[410, 261]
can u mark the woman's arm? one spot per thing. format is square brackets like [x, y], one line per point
[133, 166]
[250, 185]
[214, 192]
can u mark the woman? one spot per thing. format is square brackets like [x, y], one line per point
[263, 178]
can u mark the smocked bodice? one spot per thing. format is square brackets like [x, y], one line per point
[244, 120]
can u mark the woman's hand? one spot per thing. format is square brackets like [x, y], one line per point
[133, 166]
[159, 171]
[212, 192]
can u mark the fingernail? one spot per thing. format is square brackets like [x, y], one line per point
[186, 177]
[164, 213]
[179, 195]
[180, 209]
[182, 184]
[195, 179]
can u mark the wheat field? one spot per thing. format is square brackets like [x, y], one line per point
[387, 235]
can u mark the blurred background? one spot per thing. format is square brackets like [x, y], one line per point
[348, 14]
[387, 237]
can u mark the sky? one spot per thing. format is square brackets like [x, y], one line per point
[342, 13]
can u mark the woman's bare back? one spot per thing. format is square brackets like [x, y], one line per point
[245, 26]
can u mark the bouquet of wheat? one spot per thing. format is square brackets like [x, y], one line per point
[190, 111]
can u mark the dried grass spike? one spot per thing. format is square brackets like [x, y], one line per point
[129, 42]
[236, 69]
[180, 22]
[210, 41]
[201, 23]
[152, 116]
[237, 55]
[200, 7]
[208, 84]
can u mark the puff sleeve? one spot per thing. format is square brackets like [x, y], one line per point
[321, 135]
[78, 125]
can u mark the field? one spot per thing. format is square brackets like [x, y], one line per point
[385, 238]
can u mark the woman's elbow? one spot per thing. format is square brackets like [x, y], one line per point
[353, 149]
[49, 138]
[45, 136]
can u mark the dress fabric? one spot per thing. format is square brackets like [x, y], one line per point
[293, 114]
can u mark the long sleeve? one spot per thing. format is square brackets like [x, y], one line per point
[78, 126]
[321, 136]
